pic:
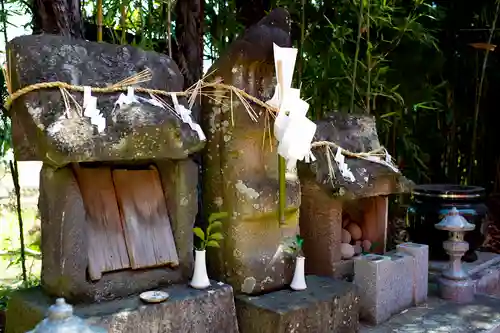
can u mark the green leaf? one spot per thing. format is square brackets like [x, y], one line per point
[300, 242]
[213, 243]
[213, 226]
[199, 233]
[217, 236]
[217, 216]
[374, 245]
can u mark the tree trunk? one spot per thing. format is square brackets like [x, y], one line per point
[58, 17]
[189, 36]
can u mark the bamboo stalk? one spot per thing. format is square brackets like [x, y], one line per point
[169, 27]
[368, 59]
[356, 55]
[479, 96]
[282, 189]
[99, 20]
[15, 178]
[281, 160]
[13, 165]
[123, 22]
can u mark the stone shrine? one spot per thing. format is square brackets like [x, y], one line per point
[241, 172]
[241, 177]
[118, 203]
[333, 204]
[345, 208]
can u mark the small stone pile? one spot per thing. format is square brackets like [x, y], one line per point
[352, 239]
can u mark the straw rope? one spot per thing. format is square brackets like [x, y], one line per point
[376, 152]
[192, 92]
[123, 87]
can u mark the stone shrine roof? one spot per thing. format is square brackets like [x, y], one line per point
[135, 131]
[357, 134]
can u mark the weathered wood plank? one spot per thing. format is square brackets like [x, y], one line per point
[107, 249]
[148, 233]
[374, 224]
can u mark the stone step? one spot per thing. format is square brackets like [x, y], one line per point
[439, 316]
[187, 310]
[326, 306]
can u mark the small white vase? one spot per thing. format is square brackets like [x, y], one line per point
[299, 278]
[200, 278]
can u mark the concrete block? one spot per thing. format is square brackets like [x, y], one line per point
[326, 306]
[402, 283]
[420, 253]
[187, 310]
[385, 285]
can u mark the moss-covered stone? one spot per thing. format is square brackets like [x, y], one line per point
[240, 173]
[137, 131]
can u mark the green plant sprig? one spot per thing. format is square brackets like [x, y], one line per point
[211, 237]
[295, 246]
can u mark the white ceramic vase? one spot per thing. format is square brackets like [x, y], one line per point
[200, 278]
[299, 277]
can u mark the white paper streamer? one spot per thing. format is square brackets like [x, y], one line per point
[127, 99]
[91, 110]
[292, 129]
[185, 115]
[387, 161]
[343, 167]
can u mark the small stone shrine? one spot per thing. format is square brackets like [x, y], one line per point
[241, 178]
[118, 194]
[344, 214]
[344, 194]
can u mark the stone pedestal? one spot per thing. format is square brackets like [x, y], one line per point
[326, 306]
[462, 291]
[187, 310]
[484, 272]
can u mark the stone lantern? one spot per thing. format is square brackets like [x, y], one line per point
[454, 283]
[60, 319]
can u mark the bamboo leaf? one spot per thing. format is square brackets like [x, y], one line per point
[213, 243]
[199, 233]
[388, 114]
[217, 236]
[213, 226]
[217, 216]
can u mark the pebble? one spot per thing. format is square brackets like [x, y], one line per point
[347, 251]
[355, 231]
[346, 236]
[358, 249]
[367, 245]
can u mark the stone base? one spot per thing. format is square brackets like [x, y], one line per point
[187, 310]
[488, 281]
[456, 291]
[485, 272]
[326, 306]
[438, 315]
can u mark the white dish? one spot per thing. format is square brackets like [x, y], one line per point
[154, 296]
